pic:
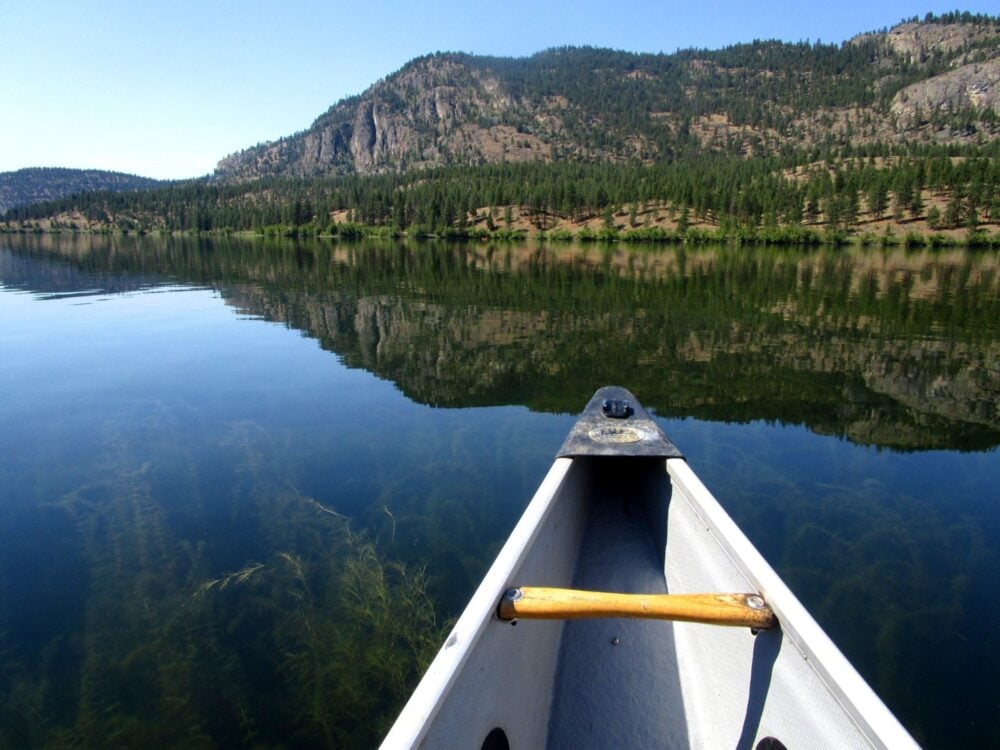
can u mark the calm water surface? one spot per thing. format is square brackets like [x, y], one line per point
[245, 483]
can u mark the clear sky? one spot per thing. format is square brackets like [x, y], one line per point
[165, 88]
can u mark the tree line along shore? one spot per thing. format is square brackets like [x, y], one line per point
[917, 197]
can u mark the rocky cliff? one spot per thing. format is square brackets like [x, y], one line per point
[973, 88]
[436, 110]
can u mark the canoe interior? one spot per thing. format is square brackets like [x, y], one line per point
[636, 525]
[616, 681]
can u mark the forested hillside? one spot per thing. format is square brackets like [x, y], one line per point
[33, 185]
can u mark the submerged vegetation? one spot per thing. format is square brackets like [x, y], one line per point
[315, 644]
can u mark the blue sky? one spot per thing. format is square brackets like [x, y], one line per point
[165, 89]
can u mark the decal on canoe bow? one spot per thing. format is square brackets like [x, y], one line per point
[612, 435]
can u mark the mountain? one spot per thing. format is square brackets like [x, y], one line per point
[936, 81]
[27, 186]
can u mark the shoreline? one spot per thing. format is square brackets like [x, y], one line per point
[791, 235]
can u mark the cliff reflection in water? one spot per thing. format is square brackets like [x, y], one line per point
[891, 348]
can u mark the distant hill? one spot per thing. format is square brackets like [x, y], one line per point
[935, 81]
[34, 185]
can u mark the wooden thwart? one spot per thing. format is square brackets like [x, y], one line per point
[539, 603]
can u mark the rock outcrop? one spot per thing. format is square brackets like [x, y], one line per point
[916, 43]
[975, 86]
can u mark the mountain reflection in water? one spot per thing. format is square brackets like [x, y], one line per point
[184, 574]
[893, 348]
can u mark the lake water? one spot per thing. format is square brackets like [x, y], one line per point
[246, 483]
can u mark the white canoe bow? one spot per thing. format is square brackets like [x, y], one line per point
[621, 513]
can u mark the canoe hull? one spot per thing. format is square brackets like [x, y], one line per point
[637, 524]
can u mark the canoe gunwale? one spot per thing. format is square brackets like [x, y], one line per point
[419, 712]
[855, 696]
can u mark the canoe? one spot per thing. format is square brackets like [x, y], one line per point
[644, 619]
